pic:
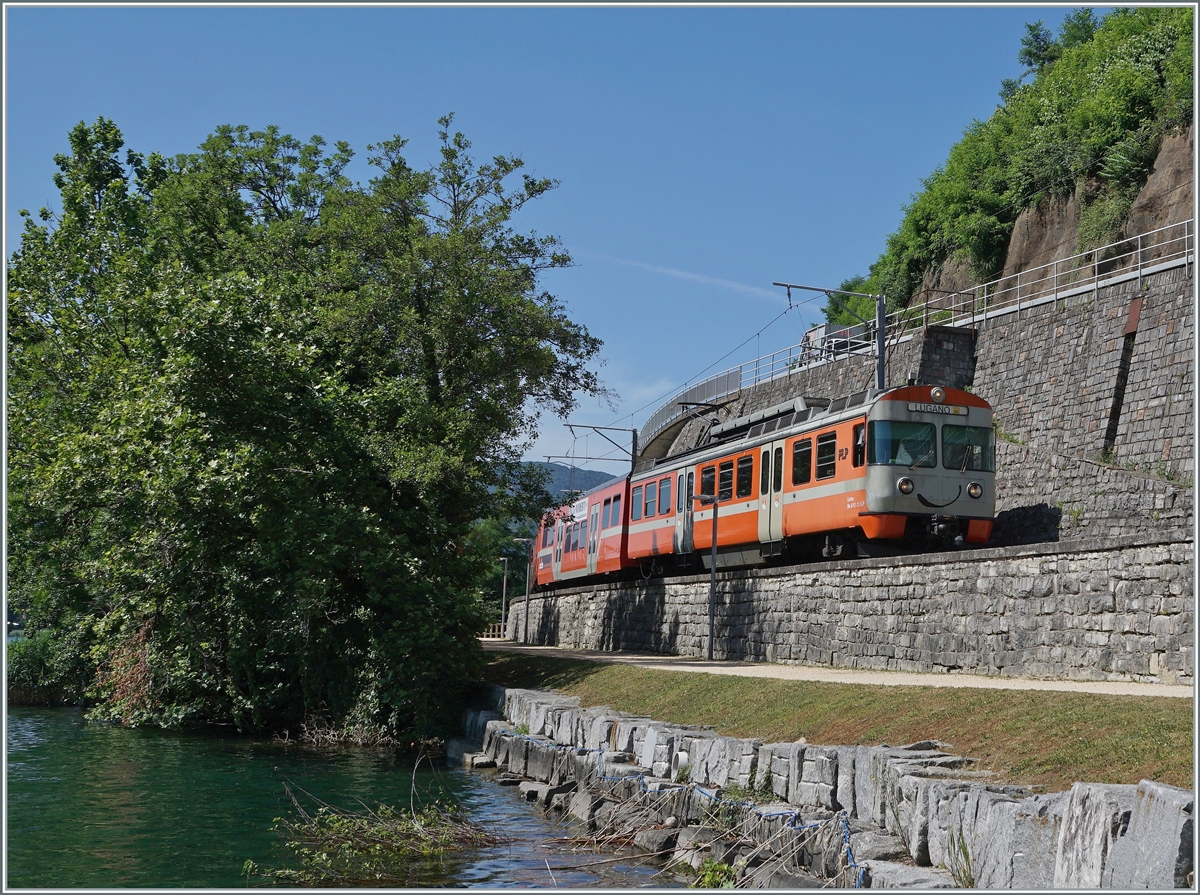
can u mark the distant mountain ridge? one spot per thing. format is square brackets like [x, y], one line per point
[571, 478]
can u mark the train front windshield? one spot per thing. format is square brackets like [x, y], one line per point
[968, 448]
[896, 443]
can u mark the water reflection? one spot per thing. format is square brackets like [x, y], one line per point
[99, 806]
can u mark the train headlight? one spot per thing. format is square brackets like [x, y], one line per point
[975, 490]
[937, 394]
[905, 485]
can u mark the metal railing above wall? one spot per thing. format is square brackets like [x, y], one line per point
[1165, 247]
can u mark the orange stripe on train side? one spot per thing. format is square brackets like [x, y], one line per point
[608, 559]
[883, 526]
[732, 529]
[978, 531]
[655, 542]
[823, 513]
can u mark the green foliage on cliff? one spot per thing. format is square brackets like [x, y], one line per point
[255, 412]
[1089, 122]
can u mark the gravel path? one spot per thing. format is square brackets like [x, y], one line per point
[842, 675]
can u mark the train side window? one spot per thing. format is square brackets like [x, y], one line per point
[765, 479]
[635, 508]
[679, 497]
[691, 488]
[606, 519]
[651, 502]
[725, 481]
[616, 516]
[802, 462]
[708, 481]
[745, 476]
[583, 527]
[664, 496]
[778, 470]
[827, 455]
[860, 444]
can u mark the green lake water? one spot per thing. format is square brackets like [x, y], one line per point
[100, 806]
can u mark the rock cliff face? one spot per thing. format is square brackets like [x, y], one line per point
[1047, 232]
[939, 285]
[1167, 196]
[1050, 231]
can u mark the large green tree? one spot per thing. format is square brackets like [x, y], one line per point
[256, 410]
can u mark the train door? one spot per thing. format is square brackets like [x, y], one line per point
[593, 538]
[770, 493]
[683, 511]
[558, 549]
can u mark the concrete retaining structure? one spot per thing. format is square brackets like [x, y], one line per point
[1094, 609]
[919, 799]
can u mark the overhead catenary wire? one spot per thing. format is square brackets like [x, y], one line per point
[694, 377]
[793, 305]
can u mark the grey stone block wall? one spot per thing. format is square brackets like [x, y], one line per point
[1076, 610]
[1157, 428]
[1051, 373]
[1046, 496]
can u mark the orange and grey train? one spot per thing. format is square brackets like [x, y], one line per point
[877, 473]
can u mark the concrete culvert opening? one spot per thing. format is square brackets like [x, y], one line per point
[679, 760]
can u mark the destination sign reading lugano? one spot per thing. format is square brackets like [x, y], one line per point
[947, 409]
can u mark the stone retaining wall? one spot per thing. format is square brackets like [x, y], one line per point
[1052, 373]
[1082, 610]
[1043, 496]
[934, 808]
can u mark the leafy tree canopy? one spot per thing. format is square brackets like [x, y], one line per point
[256, 411]
[1090, 122]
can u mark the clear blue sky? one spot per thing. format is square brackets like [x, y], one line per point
[703, 152]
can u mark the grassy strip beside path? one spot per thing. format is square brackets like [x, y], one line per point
[1030, 737]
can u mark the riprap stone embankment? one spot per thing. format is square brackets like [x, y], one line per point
[879, 816]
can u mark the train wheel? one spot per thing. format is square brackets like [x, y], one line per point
[652, 569]
[835, 546]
